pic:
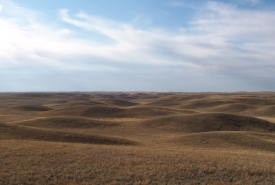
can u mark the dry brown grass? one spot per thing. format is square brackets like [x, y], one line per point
[30, 162]
[137, 138]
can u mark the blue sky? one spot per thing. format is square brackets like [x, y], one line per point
[119, 45]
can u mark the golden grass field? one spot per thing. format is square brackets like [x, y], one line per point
[137, 138]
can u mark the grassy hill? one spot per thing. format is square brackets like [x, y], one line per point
[137, 138]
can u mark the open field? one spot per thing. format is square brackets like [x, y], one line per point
[137, 138]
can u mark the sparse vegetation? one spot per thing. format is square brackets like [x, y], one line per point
[137, 138]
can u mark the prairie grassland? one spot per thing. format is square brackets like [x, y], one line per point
[33, 162]
[137, 138]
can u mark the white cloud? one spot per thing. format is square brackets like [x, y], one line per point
[219, 35]
[245, 34]
[221, 39]
[143, 46]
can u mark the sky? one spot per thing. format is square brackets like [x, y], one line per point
[137, 45]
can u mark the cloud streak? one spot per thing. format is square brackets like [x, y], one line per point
[221, 39]
[245, 42]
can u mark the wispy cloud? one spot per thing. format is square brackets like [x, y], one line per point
[221, 39]
[130, 44]
[246, 42]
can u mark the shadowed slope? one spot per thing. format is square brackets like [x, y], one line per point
[204, 103]
[255, 101]
[232, 108]
[135, 112]
[209, 122]
[9, 131]
[245, 104]
[29, 108]
[67, 122]
[165, 103]
[229, 140]
[110, 112]
[122, 103]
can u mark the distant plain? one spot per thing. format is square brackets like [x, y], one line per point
[137, 138]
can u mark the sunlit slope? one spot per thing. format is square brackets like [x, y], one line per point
[146, 119]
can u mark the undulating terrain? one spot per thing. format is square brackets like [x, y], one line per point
[137, 138]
